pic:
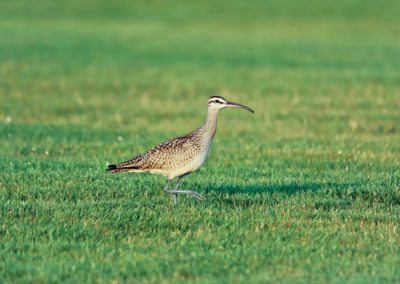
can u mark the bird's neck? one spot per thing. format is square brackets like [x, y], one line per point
[210, 126]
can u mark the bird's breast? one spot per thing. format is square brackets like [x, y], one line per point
[193, 164]
[190, 160]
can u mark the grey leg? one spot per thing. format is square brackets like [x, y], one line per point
[176, 191]
[175, 195]
[192, 193]
[167, 185]
[166, 189]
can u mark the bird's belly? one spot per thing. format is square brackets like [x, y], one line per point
[192, 166]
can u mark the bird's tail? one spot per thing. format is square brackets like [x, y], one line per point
[116, 168]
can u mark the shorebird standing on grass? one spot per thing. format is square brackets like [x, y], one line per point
[180, 156]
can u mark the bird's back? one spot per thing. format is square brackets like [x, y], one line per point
[174, 157]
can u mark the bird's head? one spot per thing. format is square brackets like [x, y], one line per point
[218, 102]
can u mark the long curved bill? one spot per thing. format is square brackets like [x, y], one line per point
[231, 104]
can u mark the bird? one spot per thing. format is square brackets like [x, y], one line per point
[180, 156]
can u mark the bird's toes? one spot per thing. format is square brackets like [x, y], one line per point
[198, 196]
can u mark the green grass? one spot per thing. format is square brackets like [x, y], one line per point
[305, 190]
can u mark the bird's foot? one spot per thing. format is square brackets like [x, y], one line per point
[174, 197]
[197, 195]
[189, 192]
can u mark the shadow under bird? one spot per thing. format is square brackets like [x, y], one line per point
[180, 156]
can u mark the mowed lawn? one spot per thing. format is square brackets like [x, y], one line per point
[307, 189]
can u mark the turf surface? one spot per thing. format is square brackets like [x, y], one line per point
[306, 189]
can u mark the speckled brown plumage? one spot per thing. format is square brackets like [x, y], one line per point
[171, 154]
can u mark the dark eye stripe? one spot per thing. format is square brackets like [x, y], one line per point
[216, 101]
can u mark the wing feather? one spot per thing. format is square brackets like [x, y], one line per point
[168, 155]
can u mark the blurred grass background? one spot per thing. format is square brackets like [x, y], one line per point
[305, 190]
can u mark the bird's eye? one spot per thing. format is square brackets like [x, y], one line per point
[218, 102]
